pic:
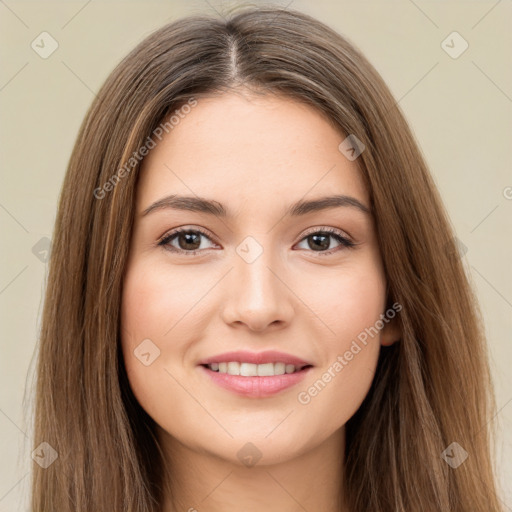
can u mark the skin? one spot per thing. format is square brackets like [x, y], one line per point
[256, 155]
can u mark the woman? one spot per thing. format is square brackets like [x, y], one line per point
[255, 301]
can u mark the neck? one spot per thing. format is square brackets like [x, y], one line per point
[204, 482]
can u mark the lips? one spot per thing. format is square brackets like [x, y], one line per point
[255, 375]
[269, 356]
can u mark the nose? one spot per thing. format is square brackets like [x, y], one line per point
[257, 294]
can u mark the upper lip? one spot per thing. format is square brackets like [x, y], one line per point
[268, 356]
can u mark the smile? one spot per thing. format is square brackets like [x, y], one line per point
[254, 380]
[254, 370]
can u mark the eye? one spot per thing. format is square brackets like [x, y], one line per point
[320, 240]
[189, 240]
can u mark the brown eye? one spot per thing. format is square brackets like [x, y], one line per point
[320, 241]
[188, 241]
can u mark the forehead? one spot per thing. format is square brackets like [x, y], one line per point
[249, 150]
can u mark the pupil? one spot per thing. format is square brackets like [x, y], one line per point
[324, 245]
[189, 237]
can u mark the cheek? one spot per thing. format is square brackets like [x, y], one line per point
[357, 335]
[362, 301]
[351, 309]
[347, 303]
[157, 303]
[162, 316]
[151, 306]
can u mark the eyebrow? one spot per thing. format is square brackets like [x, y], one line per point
[211, 207]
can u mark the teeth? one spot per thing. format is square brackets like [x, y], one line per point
[279, 368]
[234, 368]
[248, 370]
[253, 370]
[289, 368]
[265, 370]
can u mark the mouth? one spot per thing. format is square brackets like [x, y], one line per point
[244, 369]
[254, 380]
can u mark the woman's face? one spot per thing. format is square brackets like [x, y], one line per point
[266, 275]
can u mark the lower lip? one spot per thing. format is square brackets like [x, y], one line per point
[257, 387]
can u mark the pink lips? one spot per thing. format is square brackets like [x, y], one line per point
[256, 387]
[269, 356]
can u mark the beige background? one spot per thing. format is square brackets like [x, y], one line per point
[459, 109]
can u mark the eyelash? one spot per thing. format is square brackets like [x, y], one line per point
[345, 242]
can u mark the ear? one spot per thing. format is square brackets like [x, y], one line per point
[390, 333]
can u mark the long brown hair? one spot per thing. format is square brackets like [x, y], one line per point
[431, 389]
